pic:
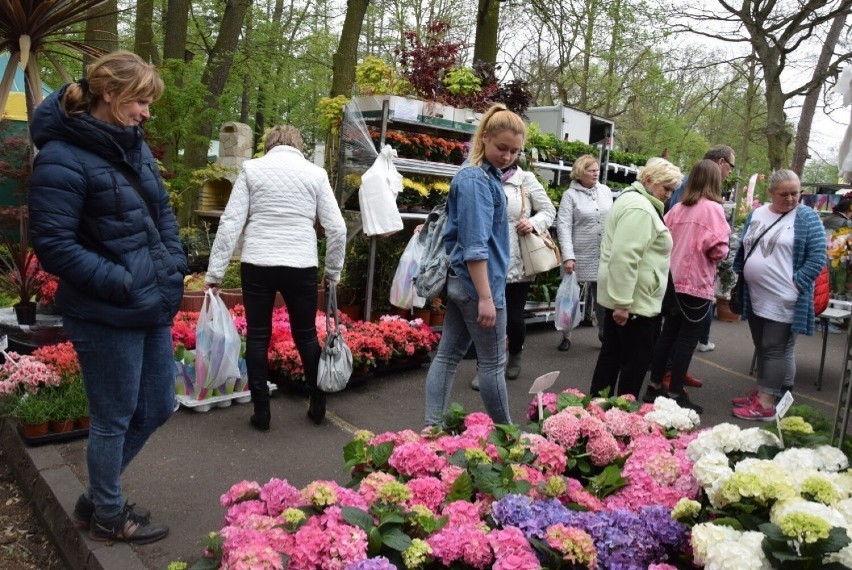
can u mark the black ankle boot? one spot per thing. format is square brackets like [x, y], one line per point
[260, 417]
[316, 409]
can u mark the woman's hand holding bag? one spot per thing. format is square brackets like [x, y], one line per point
[335, 364]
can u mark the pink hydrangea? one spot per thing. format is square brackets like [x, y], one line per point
[239, 511]
[512, 551]
[252, 556]
[566, 427]
[575, 545]
[427, 491]
[448, 476]
[467, 543]
[625, 424]
[478, 425]
[242, 491]
[327, 542]
[549, 457]
[279, 495]
[548, 403]
[461, 512]
[603, 449]
[416, 460]
[369, 487]
[577, 494]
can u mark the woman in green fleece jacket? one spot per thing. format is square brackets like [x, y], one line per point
[632, 278]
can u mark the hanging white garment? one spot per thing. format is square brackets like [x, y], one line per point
[377, 195]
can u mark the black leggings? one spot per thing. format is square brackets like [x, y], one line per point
[516, 326]
[298, 286]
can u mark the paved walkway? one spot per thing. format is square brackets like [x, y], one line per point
[196, 457]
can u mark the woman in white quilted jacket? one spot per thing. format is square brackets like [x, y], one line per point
[275, 203]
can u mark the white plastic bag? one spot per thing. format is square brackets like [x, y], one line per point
[377, 196]
[402, 293]
[217, 346]
[567, 314]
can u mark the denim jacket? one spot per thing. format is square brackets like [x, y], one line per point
[478, 227]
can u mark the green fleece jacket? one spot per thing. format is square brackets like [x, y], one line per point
[635, 253]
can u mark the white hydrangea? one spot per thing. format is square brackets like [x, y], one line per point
[723, 548]
[843, 481]
[844, 507]
[844, 557]
[723, 437]
[711, 467]
[668, 414]
[715, 495]
[798, 505]
[799, 458]
[752, 438]
[832, 458]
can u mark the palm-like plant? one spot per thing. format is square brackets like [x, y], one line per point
[30, 29]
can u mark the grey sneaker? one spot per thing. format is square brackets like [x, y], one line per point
[513, 367]
[126, 527]
[84, 510]
[474, 384]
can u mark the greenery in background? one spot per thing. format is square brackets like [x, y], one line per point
[543, 289]
[232, 278]
[31, 408]
[197, 242]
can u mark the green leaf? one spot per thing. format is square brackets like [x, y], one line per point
[394, 517]
[396, 539]
[374, 542]
[729, 521]
[462, 488]
[358, 517]
[381, 453]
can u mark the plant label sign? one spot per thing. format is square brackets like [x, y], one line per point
[784, 404]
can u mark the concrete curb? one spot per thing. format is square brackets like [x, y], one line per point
[53, 488]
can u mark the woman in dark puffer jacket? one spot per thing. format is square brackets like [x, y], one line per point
[100, 219]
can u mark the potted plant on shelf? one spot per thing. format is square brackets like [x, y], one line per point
[21, 266]
[32, 409]
[61, 413]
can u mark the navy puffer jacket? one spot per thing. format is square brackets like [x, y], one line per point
[117, 265]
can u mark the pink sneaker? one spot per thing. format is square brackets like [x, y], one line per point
[754, 411]
[745, 400]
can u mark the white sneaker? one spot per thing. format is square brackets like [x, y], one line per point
[706, 347]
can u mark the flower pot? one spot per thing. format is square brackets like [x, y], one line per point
[231, 297]
[191, 301]
[423, 314]
[354, 312]
[724, 312]
[35, 430]
[436, 319]
[82, 422]
[25, 313]
[61, 426]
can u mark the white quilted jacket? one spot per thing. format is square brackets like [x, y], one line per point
[274, 203]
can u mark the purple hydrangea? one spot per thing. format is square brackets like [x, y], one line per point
[379, 563]
[670, 533]
[512, 510]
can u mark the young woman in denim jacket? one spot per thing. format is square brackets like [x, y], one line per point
[477, 240]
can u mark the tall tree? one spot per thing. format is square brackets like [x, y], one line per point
[175, 26]
[346, 55]
[102, 28]
[143, 38]
[487, 24]
[215, 76]
[806, 117]
[776, 31]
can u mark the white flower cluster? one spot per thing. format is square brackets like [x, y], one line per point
[718, 547]
[668, 414]
[820, 473]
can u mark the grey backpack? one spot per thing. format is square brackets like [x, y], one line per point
[434, 262]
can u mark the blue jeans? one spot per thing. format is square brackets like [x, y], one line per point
[129, 380]
[460, 328]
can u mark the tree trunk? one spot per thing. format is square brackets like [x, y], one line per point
[803, 131]
[346, 56]
[214, 78]
[778, 135]
[143, 40]
[487, 24]
[175, 26]
[102, 28]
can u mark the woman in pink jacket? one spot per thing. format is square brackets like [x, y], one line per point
[700, 234]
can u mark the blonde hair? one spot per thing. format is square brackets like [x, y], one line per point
[704, 181]
[283, 135]
[496, 120]
[581, 165]
[120, 72]
[660, 172]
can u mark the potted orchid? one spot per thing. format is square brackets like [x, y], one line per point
[21, 267]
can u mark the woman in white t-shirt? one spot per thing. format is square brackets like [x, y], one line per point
[781, 255]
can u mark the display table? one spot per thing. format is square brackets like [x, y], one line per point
[23, 339]
[837, 310]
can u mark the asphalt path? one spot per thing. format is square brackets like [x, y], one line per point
[196, 457]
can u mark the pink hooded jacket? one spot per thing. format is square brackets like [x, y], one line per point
[700, 234]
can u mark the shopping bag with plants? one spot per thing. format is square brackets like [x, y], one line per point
[217, 348]
[402, 293]
[568, 314]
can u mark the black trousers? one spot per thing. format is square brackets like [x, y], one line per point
[298, 287]
[676, 345]
[625, 355]
[516, 326]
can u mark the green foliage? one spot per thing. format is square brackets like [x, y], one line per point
[607, 481]
[385, 537]
[788, 553]
[462, 81]
[330, 112]
[375, 77]
[232, 278]
[32, 408]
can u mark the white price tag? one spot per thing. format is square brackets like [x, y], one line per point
[4, 342]
[784, 404]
